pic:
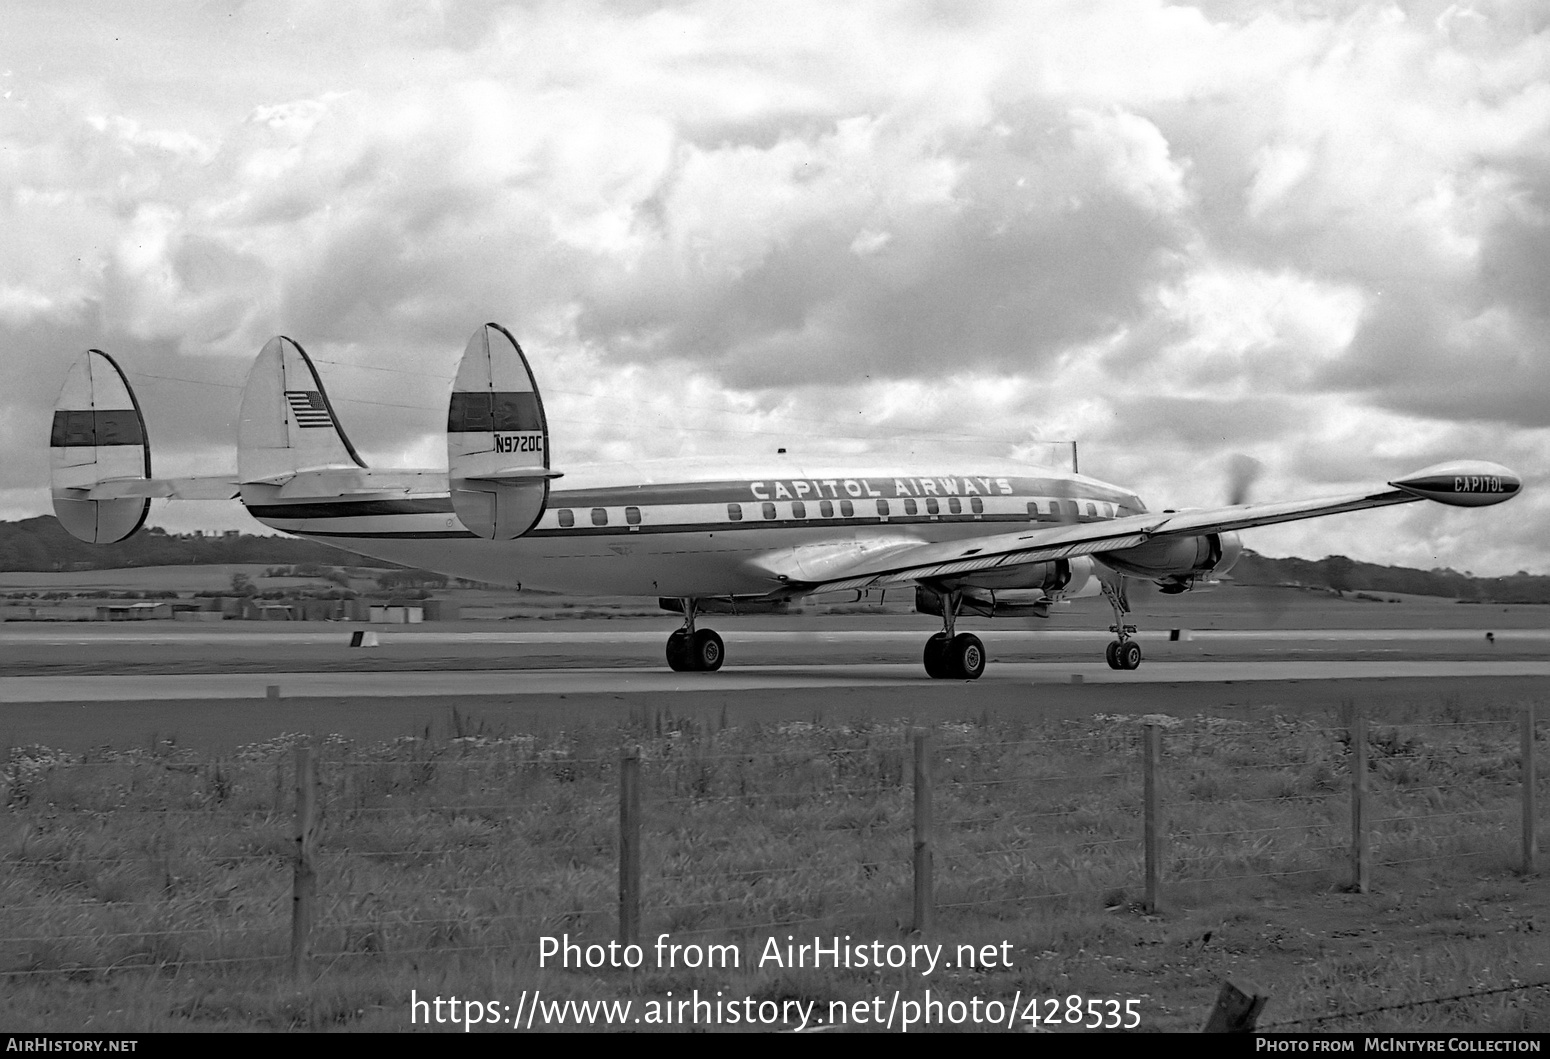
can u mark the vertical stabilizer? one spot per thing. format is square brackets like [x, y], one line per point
[98, 435]
[497, 438]
[287, 423]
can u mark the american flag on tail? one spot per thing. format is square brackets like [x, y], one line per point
[308, 408]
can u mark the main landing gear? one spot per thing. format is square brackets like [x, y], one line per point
[951, 656]
[1123, 653]
[694, 650]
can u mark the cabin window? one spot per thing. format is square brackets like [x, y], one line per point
[1033, 507]
[932, 507]
[1092, 511]
[954, 506]
[976, 505]
[600, 516]
[826, 509]
[735, 512]
[1071, 509]
[847, 509]
[910, 507]
[798, 509]
[632, 515]
[882, 508]
[769, 509]
[567, 518]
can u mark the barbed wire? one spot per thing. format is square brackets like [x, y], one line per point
[1437, 816]
[1023, 780]
[1441, 856]
[1075, 847]
[153, 966]
[1407, 1004]
[1186, 835]
[702, 799]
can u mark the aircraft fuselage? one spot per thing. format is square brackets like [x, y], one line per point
[664, 530]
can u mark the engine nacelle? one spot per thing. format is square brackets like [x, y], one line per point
[1176, 563]
[1022, 591]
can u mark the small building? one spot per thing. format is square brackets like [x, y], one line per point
[144, 611]
[398, 615]
[268, 610]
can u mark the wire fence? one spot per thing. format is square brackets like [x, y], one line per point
[303, 854]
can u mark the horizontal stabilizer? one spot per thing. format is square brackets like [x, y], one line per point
[170, 488]
[514, 474]
[351, 481]
[497, 439]
[97, 437]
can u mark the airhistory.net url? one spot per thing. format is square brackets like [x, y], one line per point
[887, 1012]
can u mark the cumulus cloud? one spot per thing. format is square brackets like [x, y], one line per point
[1176, 232]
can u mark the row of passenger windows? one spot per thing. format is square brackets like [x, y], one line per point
[846, 509]
[1071, 509]
[599, 516]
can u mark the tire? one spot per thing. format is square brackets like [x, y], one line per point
[967, 656]
[1129, 655]
[707, 652]
[1111, 654]
[935, 656]
[678, 652]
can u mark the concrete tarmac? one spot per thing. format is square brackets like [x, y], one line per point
[624, 681]
[162, 633]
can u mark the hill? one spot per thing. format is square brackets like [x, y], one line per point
[1341, 574]
[40, 544]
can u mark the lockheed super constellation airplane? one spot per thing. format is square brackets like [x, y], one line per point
[987, 537]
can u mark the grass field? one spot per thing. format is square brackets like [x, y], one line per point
[149, 888]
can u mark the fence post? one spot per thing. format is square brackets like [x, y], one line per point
[925, 905]
[304, 888]
[629, 846]
[1238, 1005]
[1151, 831]
[1530, 814]
[1361, 860]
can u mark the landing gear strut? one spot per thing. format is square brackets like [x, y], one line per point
[694, 650]
[951, 656]
[1124, 652]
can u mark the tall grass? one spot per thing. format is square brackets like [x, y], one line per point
[470, 844]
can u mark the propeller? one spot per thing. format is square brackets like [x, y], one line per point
[1242, 472]
[1266, 602]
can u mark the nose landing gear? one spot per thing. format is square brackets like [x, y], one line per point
[694, 650]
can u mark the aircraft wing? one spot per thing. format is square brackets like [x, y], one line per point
[1463, 484]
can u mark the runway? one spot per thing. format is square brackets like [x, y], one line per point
[219, 687]
[226, 635]
[625, 681]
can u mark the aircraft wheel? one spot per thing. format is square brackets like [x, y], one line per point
[966, 655]
[707, 652]
[1129, 655]
[1111, 653]
[678, 652]
[935, 656]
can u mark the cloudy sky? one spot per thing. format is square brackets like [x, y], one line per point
[1314, 233]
